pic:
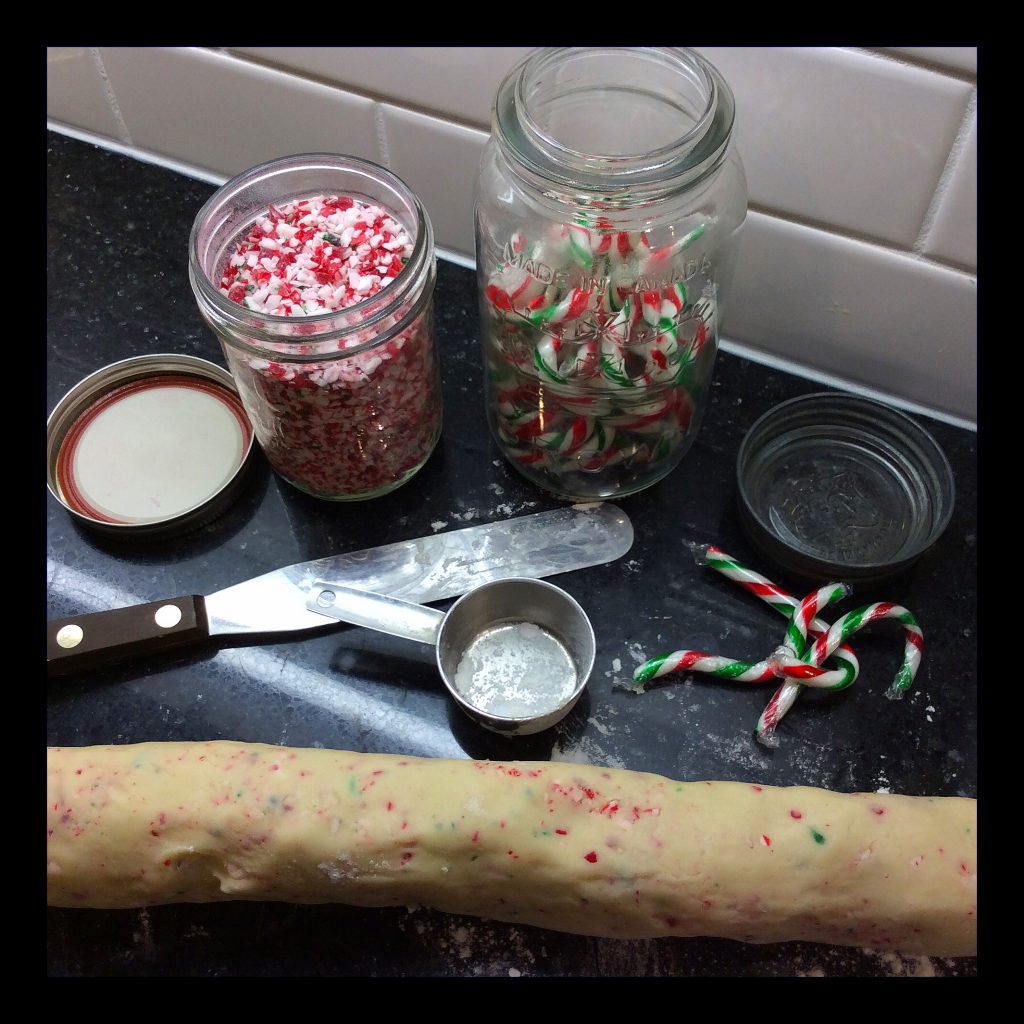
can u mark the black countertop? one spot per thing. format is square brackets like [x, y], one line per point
[118, 286]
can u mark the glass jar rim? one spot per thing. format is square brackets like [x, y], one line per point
[273, 328]
[695, 152]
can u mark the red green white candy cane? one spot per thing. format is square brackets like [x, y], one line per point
[794, 653]
[585, 247]
[570, 439]
[656, 260]
[512, 288]
[808, 672]
[753, 582]
[810, 675]
[762, 671]
[547, 357]
[774, 596]
[828, 640]
[571, 306]
[560, 361]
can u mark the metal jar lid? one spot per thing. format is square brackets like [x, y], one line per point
[148, 447]
[836, 487]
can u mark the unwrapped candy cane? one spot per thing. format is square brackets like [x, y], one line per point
[798, 660]
[767, 669]
[810, 675]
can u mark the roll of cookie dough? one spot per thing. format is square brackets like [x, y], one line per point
[569, 847]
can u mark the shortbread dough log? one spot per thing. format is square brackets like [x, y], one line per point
[569, 847]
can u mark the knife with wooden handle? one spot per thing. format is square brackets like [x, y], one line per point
[424, 569]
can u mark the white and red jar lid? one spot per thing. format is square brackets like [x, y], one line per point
[150, 446]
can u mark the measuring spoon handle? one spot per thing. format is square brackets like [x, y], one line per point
[376, 611]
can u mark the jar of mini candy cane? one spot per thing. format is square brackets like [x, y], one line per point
[609, 203]
[317, 272]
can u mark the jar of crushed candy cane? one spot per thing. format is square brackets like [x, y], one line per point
[609, 203]
[316, 272]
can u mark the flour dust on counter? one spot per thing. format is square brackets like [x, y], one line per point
[483, 949]
[891, 965]
[143, 938]
[586, 750]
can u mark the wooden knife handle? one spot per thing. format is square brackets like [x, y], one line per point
[81, 642]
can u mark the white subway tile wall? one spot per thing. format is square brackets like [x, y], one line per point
[859, 261]
[457, 81]
[75, 91]
[225, 114]
[958, 58]
[953, 234]
[438, 160]
[858, 312]
[842, 140]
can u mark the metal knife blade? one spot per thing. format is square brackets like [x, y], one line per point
[423, 570]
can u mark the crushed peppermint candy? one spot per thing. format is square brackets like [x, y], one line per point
[354, 424]
[316, 256]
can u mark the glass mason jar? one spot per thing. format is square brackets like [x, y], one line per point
[346, 403]
[609, 204]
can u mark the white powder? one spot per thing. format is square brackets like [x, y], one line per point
[515, 670]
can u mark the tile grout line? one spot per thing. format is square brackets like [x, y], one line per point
[917, 63]
[952, 163]
[115, 107]
[382, 134]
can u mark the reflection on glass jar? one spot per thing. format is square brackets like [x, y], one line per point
[317, 273]
[608, 208]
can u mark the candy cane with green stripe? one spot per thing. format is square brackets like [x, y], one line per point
[570, 307]
[661, 309]
[773, 595]
[707, 664]
[662, 357]
[807, 611]
[585, 247]
[614, 338]
[746, 671]
[512, 288]
[808, 671]
[570, 440]
[580, 358]
[691, 337]
[656, 260]
[753, 582]
[913, 647]
[546, 357]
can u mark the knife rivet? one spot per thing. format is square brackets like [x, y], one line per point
[167, 616]
[70, 636]
[325, 598]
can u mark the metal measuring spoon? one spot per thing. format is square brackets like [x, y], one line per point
[515, 654]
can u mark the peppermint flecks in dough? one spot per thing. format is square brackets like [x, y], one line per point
[568, 847]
